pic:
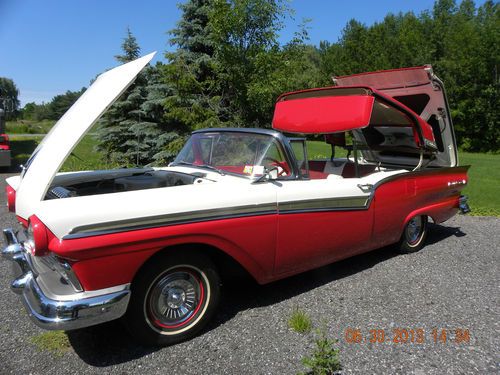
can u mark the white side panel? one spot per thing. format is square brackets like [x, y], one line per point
[63, 215]
[69, 130]
[334, 187]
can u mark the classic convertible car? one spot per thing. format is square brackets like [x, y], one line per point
[149, 245]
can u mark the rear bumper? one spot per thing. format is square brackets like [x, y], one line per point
[68, 311]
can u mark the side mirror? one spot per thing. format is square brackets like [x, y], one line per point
[268, 175]
[272, 173]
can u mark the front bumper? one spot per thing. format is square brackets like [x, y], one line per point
[65, 311]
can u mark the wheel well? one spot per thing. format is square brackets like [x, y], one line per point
[227, 266]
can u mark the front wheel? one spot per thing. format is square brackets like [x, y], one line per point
[414, 235]
[173, 298]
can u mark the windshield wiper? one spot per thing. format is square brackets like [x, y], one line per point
[198, 166]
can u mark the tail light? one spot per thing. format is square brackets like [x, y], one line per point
[38, 242]
[11, 198]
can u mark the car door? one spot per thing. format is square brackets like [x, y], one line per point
[320, 221]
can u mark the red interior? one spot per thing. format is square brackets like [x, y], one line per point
[316, 168]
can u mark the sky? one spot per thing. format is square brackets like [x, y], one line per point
[51, 46]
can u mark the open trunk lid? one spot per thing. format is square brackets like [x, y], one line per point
[419, 89]
[50, 154]
[384, 129]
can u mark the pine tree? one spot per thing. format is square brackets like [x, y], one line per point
[195, 101]
[129, 131]
[130, 48]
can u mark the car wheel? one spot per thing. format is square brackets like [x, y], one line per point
[414, 235]
[172, 299]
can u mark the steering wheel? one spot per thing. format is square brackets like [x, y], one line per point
[282, 164]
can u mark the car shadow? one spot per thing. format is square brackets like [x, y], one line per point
[110, 344]
[438, 233]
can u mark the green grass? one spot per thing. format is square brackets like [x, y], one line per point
[484, 176]
[321, 150]
[29, 126]
[299, 321]
[83, 157]
[55, 342]
[22, 148]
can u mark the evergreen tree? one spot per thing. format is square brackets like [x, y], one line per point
[195, 99]
[130, 48]
[9, 97]
[129, 129]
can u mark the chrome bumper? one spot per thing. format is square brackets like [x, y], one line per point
[463, 205]
[73, 311]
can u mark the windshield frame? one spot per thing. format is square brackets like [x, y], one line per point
[281, 142]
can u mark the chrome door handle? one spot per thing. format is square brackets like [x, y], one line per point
[365, 188]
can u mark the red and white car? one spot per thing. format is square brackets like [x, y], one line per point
[149, 245]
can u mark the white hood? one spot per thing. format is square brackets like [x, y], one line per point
[51, 153]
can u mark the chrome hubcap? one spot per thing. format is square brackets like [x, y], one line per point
[174, 299]
[414, 230]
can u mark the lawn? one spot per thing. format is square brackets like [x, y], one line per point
[484, 174]
[83, 157]
[29, 126]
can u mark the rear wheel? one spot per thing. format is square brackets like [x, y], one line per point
[172, 299]
[414, 235]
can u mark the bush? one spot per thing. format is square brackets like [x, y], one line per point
[325, 358]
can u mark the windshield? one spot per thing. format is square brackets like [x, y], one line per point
[246, 154]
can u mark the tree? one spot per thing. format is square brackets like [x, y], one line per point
[135, 131]
[195, 100]
[61, 103]
[115, 131]
[245, 36]
[9, 100]
[130, 48]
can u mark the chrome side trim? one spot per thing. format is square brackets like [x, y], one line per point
[171, 219]
[329, 204]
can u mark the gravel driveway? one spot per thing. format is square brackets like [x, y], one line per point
[453, 283]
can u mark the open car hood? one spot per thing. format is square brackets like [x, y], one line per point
[51, 153]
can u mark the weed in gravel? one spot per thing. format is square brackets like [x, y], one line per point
[299, 321]
[56, 342]
[324, 360]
